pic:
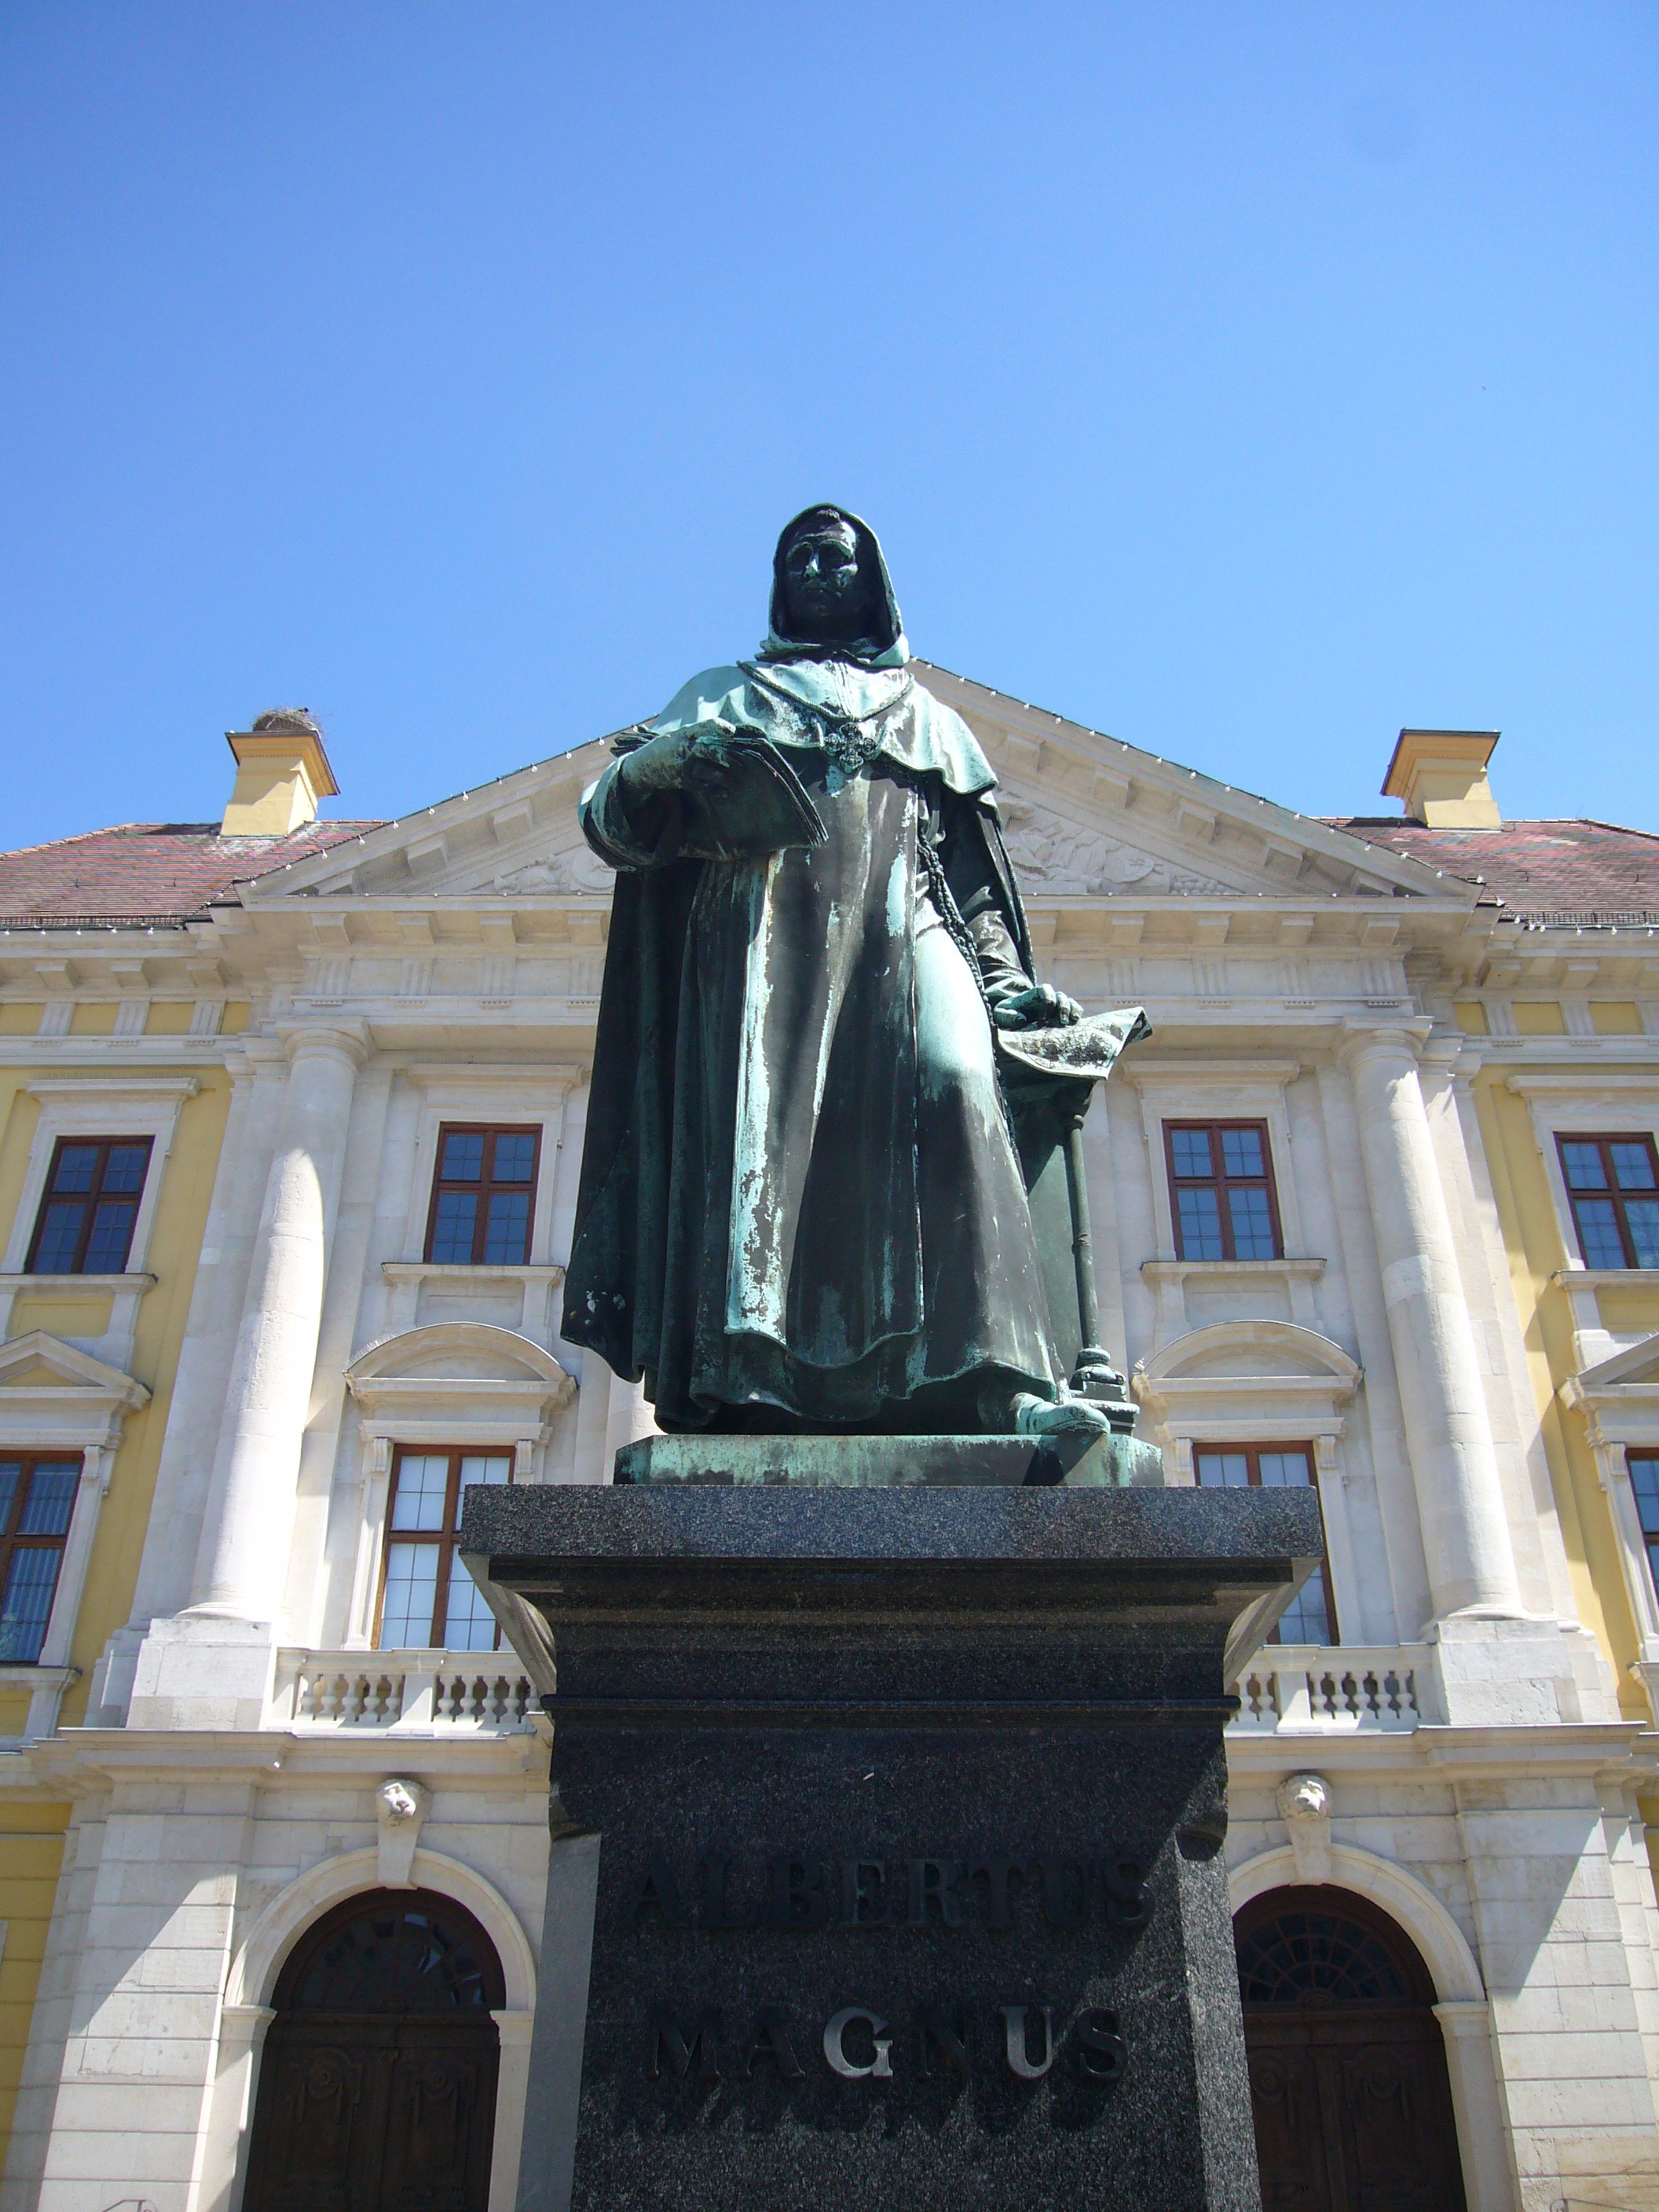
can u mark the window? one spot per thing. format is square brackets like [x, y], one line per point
[1644, 1481]
[1221, 1189]
[91, 1202]
[429, 1597]
[36, 1496]
[1310, 1617]
[482, 1196]
[1615, 1190]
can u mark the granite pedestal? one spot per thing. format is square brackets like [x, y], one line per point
[888, 1823]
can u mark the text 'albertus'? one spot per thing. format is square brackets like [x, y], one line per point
[793, 1891]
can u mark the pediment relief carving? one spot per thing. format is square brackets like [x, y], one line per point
[1075, 859]
[580, 870]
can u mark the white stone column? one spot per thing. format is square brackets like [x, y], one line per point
[211, 1665]
[1466, 1537]
[1466, 2024]
[511, 2095]
[242, 1559]
[230, 2113]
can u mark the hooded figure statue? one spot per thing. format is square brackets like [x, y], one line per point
[802, 1205]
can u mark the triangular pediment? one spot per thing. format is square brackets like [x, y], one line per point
[1090, 816]
[1087, 816]
[517, 838]
[37, 1361]
[1635, 1368]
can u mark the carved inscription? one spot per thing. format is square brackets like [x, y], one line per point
[860, 2044]
[793, 1892]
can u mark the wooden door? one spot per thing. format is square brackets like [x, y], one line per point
[377, 2086]
[1348, 2082]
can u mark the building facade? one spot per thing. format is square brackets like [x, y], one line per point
[293, 1117]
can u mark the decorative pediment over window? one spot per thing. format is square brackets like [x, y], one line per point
[1619, 1398]
[54, 1395]
[453, 1380]
[1634, 1370]
[1248, 1379]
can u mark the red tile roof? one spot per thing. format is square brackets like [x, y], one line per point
[1561, 875]
[141, 874]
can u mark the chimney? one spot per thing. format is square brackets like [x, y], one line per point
[1441, 777]
[281, 774]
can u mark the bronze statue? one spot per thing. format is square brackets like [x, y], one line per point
[804, 1193]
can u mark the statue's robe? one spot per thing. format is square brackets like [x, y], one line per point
[801, 1202]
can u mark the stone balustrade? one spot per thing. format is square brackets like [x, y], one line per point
[415, 1692]
[1306, 1688]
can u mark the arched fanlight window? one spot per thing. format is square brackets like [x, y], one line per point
[393, 1951]
[1324, 1946]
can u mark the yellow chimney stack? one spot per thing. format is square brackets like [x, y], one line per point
[1441, 777]
[283, 776]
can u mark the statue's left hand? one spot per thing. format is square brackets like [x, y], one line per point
[1041, 1007]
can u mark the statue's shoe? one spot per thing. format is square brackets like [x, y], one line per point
[1058, 1417]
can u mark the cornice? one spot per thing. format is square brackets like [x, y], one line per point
[1433, 1753]
[265, 1756]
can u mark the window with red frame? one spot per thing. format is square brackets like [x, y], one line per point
[1644, 1481]
[36, 1498]
[482, 1195]
[427, 1596]
[89, 1207]
[1310, 1617]
[1221, 1190]
[1613, 1185]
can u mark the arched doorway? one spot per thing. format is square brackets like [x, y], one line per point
[1349, 2083]
[377, 2089]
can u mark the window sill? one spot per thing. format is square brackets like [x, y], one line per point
[30, 1675]
[77, 1285]
[1606, 1279]
[458, 1271]
[1285, 1271]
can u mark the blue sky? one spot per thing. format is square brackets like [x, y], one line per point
[1245, 382]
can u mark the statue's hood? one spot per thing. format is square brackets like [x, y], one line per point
[886, 650]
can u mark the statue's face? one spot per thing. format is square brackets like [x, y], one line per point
[827, 597]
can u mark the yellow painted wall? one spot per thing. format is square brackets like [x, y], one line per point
[31, 1856]
[1615, 1017]
[60, 1313]
[1539, 1018]
[168, 1018]
[1532, 1239]
[1533, 1242]
[93, 1021]
[31, 1834]
[18, 1019]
